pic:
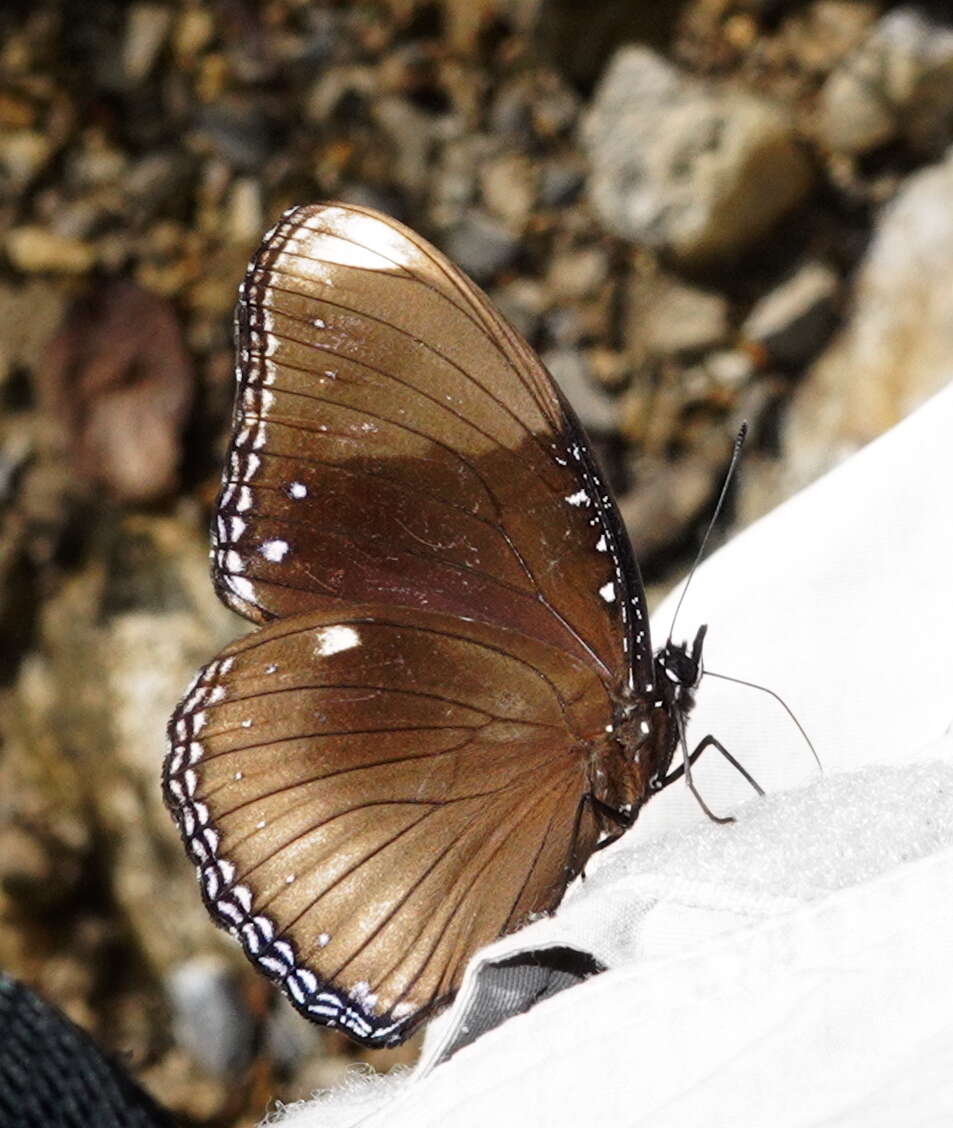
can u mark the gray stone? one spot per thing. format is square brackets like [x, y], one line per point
[236, 131]
[687, 167]
[668, 496]
[411, 134]
[670, 317]
[896, 349]
[209, 1018]
[155, 180]
[560, 182]
[481, 246]
[596, 410]
[454, 180]
[794, 320]
[288, 1040]
[897, 83]
[521, 301]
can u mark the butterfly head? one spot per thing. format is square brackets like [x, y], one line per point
[680, 669]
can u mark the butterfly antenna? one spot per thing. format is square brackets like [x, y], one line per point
[735, 456]
[777, 697]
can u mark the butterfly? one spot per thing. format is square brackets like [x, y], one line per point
[451, 700]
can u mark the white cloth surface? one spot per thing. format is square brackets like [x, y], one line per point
[793, 968]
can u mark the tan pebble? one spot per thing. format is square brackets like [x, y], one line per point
[35, 249]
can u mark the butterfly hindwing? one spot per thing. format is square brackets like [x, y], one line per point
[370, 798]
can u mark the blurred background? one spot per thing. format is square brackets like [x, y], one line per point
[698, 213]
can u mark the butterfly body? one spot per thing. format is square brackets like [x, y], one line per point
[451, 700]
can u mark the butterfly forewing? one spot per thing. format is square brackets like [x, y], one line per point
[371, 798]
[396, 441]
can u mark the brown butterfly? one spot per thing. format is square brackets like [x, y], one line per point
[452, 700]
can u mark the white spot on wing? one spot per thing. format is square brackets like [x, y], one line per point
[274, 550]
[332, 640]
[243, 588]
[580, 497]
[607, 591]
[298, 490]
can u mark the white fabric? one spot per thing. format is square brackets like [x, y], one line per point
[796, 967]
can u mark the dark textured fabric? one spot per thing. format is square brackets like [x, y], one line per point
[52, 1074]
[516, 984]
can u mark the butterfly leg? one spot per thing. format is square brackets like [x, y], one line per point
[685, 769]
[622, 819]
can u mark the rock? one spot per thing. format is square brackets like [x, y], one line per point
[244, 216]
[896, 347]
[339, 92]
[560, 182]
[154, 182]
[481, 246]
[580, 37]
[147, 28]
[29, 314]
[23, 155]
[289, 1041]
[16, 449]
[577, 272]
[793, 321]
[521, 301]
[533, 104]
[508, 188]
[237, 131]
[667, 497]
[96, 163]
[729, 368]
[609, 368]
[686, 167]
[897, 83]
[595, 409]
[121, 639]
[410, 132]
[650, 412]
[38, 250]
[117, 381]
[454, 181]
[669, 317]
[209, 1018]
[194, 28]
[563, 327]
[826, 31]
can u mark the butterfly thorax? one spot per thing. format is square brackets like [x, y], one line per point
[648, 721]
